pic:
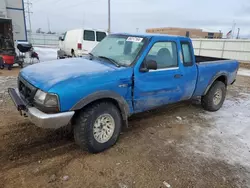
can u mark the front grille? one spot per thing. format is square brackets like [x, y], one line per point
[26, 90]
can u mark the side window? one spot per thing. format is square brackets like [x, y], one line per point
[165, 54]
[100, 36]
[89, 35]
[187, 54]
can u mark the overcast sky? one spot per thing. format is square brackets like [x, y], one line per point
[127, 15]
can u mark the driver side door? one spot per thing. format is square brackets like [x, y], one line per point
[154, 88]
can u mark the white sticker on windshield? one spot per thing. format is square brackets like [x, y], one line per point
[134, 39]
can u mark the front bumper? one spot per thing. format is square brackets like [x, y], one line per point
[80, 53]
[39, 118]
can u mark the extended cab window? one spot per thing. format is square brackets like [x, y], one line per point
[164, 53]
[100, 36]
[89, 35]
[187, 54]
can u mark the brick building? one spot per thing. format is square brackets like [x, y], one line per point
[192, 33]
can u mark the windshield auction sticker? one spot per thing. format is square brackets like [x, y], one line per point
[134, 39]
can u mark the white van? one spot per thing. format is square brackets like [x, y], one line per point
[79, 42]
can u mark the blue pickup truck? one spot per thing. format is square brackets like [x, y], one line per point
[123, 75]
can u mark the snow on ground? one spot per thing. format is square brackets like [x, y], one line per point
[228, 137]
[244, 72]
[46, 54]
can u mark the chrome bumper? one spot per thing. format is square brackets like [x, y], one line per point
[39, 118]
[49, 121]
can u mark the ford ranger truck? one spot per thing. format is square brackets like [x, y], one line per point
[123, 75]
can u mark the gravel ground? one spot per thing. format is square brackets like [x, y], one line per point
[180, 145]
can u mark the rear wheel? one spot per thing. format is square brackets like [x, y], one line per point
[98, 127]
[215, 97]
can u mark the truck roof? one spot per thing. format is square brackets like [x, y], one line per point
[150, 35]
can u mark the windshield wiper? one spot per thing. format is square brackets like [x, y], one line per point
[110, 60]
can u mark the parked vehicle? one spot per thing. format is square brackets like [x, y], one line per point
[123, 75]
[7, 49]
[8, 56]
[79, 42]
[13, 58]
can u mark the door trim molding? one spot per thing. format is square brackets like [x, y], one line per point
[165, 69]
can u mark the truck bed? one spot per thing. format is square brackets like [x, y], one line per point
[212, 68]
[201, 59]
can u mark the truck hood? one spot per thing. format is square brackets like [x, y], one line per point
[45, 75]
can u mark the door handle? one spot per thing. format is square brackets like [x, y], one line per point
[178, 76]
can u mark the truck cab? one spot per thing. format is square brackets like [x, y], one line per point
[171, 81]
[123, 75]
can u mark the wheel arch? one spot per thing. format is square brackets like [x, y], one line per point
[218, 77]
[99, 96]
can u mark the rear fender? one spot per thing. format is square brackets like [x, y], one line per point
[214, 78]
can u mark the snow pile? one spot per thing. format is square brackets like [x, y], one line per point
[244, 72]
[46, 54]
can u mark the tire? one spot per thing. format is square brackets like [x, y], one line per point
[21, 65]
[212, 101]
[9, 67]
[1, 63]
[86, 122]
[65, 132]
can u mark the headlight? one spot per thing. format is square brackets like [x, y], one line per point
[48, 100]
[51, 100]
[40, 96]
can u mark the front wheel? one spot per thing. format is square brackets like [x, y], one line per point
[98, 127]
[215, 97]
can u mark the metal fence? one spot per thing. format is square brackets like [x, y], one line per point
[223, 48]
[38, 39]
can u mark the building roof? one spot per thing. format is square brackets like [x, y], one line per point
[149, 35]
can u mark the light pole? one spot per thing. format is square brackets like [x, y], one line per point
[109, 24]
[238, 34]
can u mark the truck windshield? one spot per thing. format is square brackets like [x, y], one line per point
[122, 49]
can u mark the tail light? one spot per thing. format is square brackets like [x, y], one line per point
[79, 46]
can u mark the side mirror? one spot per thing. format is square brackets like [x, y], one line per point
[60, 38]
[149, 65]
